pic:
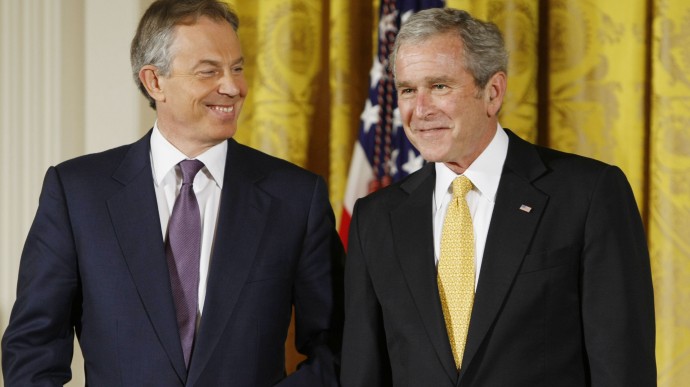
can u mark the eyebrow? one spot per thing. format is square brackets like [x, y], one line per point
[216, 63]
[435, 80]
[426, 81]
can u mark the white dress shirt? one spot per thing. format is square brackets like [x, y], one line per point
[167, 180]
[485, 174]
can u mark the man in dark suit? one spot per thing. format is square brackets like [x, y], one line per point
[560, 291]
[100, 258]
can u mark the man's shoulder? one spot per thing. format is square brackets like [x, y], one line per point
[108, 155]
[392, 195]
[256, 162]
[106, 163]
[553, 162]
[571, 165]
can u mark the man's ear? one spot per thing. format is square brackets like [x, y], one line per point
[496, 90]
[148, 75]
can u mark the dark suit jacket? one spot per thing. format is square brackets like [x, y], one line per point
[564, 296]
[94, 262]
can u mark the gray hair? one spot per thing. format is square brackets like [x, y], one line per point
[156, 32]
[484, 51]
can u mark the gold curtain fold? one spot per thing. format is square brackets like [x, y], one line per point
[597, 82]
[283, 42]
[608, 80]
[669, 192]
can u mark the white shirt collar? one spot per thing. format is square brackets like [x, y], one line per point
[484, 172]
[165, 156]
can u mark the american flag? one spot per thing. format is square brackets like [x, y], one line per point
[382, 153]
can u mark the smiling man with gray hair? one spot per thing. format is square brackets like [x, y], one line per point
[499, 263]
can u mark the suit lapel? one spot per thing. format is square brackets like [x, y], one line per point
[511, 230]
[134, 214]
[242, 216]
[413, 240]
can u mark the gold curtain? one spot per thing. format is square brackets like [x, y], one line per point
[669, 185]
[608, 80]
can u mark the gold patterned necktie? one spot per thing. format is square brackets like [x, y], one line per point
[456, 268]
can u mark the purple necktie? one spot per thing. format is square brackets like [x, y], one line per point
[183, 248]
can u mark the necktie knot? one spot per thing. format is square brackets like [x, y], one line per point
[189, 170]
[461, 186]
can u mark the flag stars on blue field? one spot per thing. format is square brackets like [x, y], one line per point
[397, 121]
[414, 162]
[370, 116]
[376, 72]
[388, 24]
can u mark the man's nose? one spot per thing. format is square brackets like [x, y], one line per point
[423, 104]
[230, 84]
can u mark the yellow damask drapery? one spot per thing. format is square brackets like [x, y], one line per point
[609, 80]
[668, 199]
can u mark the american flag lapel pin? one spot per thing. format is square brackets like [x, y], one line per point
[525, 208]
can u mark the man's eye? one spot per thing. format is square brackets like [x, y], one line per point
[238, 69]
[207, 73]
[439, 87]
